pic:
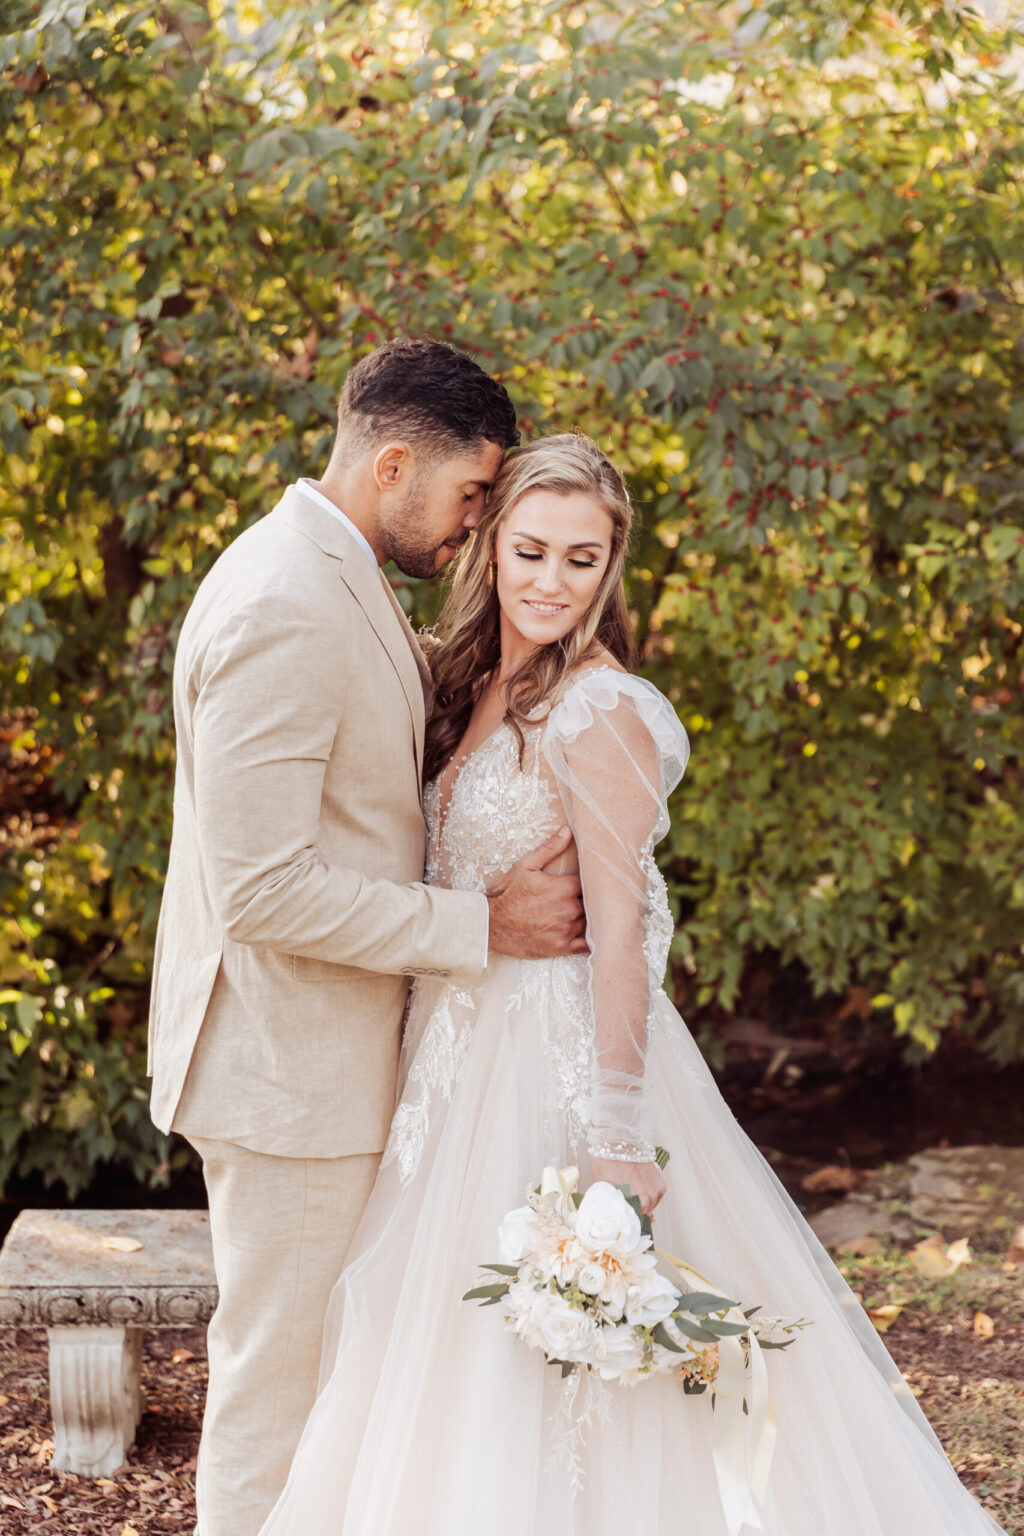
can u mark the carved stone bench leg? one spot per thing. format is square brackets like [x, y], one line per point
[96, 1396]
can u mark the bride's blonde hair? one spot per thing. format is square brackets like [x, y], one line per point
[466, 644]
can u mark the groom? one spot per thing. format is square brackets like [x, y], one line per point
[294, 910]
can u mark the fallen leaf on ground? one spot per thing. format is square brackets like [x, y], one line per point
[929, 1257]
[959, 1253]
[884, 1317]
[122, 1244]
[984, 1327]
[128, 1530]
[1015, 1255]
[863, 1247]
[933, 1258]
[9, 1503]
[181, 1355]
[832, 1176]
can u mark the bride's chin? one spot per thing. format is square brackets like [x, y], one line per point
[538, 634]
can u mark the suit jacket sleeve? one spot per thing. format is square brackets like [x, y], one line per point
[269, 701]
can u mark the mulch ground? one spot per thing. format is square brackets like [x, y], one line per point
[973, 1397]
[153, 1494]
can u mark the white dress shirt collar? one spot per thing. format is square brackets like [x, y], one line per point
[309, 489]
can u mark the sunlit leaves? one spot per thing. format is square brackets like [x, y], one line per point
[782, 292]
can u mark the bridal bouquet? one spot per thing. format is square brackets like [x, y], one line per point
[580, 1279]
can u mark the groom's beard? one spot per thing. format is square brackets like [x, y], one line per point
[407, 546]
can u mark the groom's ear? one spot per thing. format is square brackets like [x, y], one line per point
[393, 463]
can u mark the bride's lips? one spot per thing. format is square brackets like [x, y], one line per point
[546, 610]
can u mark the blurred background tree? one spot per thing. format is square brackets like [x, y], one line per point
[768, 256]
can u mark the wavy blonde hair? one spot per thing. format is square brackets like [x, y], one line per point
[464, 647]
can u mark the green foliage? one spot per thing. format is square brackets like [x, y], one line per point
[770, 260]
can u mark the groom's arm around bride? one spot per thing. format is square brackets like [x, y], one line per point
[294, 910]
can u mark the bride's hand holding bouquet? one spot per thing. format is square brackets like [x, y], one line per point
[644, 1180]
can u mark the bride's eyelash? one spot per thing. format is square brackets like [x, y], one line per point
[583, 565]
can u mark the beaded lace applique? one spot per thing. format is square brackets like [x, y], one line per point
[435, 1069]
[495, 814]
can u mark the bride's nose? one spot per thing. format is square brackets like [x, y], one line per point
[549, 578]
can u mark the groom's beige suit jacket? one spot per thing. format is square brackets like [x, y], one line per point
[294, 910]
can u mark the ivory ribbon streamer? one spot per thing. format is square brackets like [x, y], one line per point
[561, 1182]
[743, 1444]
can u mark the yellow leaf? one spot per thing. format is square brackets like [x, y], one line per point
[984, 1327]
[122, 1244]
[128, 1530]
[959, 1253]
[929, 1258]
[884, 1317]
[915, 471]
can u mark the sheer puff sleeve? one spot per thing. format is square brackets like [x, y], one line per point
[617, 751]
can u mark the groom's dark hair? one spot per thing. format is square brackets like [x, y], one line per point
[427, 394]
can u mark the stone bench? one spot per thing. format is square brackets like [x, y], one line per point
[94, 1280]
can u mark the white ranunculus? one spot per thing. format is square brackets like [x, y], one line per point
[591, 1278]
[606, 1223]
[651, 1301]
[517, 1235]
[622, 1354]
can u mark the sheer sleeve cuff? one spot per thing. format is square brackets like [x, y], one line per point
[618, 1152]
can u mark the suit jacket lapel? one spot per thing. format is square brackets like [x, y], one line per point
[426, 681]
[382, 608]
[373, 593]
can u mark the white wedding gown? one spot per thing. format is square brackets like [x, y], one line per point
[432, 1418]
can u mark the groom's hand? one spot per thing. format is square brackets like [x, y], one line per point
[536, 915]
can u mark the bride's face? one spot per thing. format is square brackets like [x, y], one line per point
[551, 552]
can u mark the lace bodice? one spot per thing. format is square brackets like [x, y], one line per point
[602, 761]
[496, 812]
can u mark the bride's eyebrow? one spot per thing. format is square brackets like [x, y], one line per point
[592, 544]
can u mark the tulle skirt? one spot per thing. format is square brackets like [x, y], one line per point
[432, 1419]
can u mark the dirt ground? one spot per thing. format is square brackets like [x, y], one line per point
[968, 1377]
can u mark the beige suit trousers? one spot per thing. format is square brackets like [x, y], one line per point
[281, 1227]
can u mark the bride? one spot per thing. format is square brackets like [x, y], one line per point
[432, 1418]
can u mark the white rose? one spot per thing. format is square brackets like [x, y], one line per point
[517, 1235]
[651, 1301]
[568, 1332]
[520, 1311]
[622, 1353]
[606, 1223]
